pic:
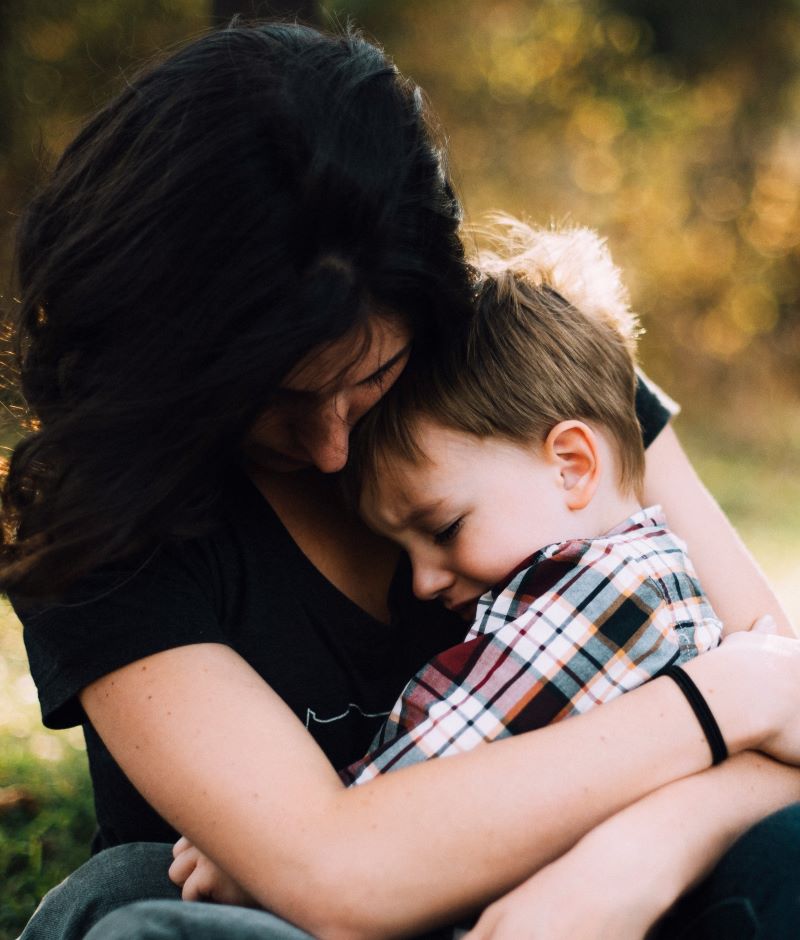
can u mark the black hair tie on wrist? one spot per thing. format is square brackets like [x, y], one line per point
[708, 722]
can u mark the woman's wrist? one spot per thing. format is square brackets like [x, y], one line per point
[722, 680]
[751, 684]
[702, 712]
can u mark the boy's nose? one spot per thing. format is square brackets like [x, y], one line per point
[429, 581]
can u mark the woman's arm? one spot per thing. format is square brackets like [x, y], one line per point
[635, 865]
[222, 758]
[730, 576]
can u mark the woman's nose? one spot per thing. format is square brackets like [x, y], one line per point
[326, 435]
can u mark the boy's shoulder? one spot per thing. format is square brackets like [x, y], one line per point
[639, 554]
[642, 539]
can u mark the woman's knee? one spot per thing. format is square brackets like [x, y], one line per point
[142, 920]
[764, 867]
[179, 920]
[774, 842]
[754, 891]
[109, 880]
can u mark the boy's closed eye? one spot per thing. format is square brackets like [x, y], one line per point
[446, 535]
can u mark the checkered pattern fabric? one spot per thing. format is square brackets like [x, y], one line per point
[580, 623]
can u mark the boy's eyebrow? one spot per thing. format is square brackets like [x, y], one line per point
[421, 513]
[386, 365]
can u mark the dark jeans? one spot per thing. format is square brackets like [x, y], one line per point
[753, 894]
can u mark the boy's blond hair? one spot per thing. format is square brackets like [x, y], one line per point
[552, 339]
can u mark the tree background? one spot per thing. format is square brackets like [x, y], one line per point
[670, 125]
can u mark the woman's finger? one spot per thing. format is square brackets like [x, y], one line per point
[765, 624]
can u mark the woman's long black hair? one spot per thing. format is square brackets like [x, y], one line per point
[248, 199]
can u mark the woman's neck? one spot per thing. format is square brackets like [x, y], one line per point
[354, 559]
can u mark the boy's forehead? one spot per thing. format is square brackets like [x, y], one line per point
[402, 485]
[405, 490]
[399, 493]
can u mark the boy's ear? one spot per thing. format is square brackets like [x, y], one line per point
[573, 446]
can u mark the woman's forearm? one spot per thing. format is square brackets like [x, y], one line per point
[671, 839]
[507, 809]
[634, 866]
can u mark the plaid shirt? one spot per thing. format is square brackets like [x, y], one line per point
[582, 622]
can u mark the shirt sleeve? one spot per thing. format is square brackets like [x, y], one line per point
[114, 618]
[581, 635]
[654, 408]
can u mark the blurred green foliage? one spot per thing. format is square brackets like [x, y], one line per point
[607, 114]
[672, 126]
[46, 809]
[46, 829]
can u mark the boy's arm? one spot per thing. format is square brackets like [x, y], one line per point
[634, 866]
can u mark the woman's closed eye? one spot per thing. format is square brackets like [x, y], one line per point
[387, 370]
[374, 381]
[444, 536]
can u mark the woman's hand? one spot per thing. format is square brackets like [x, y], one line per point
[201, 880]
[784, 740]
[752, 685]
[780, 687]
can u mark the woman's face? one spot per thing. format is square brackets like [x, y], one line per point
[309, 424]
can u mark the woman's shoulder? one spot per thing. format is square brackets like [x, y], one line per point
[179, 592]
[654, 408]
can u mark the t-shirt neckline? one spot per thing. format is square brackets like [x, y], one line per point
[324, 585]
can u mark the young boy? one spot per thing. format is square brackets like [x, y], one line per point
[513, 476]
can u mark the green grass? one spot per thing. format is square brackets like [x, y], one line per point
[46, 833]
[46, 830]
[46, 811]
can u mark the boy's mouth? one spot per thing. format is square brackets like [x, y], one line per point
[465, 610]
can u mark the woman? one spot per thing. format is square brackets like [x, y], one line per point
[227, 269]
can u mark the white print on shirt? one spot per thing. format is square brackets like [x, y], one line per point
[311, 715]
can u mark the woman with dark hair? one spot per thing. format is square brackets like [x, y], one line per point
[227, 269]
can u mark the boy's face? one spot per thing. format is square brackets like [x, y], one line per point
[469, 515]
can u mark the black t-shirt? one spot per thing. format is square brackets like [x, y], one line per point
[247, 585]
